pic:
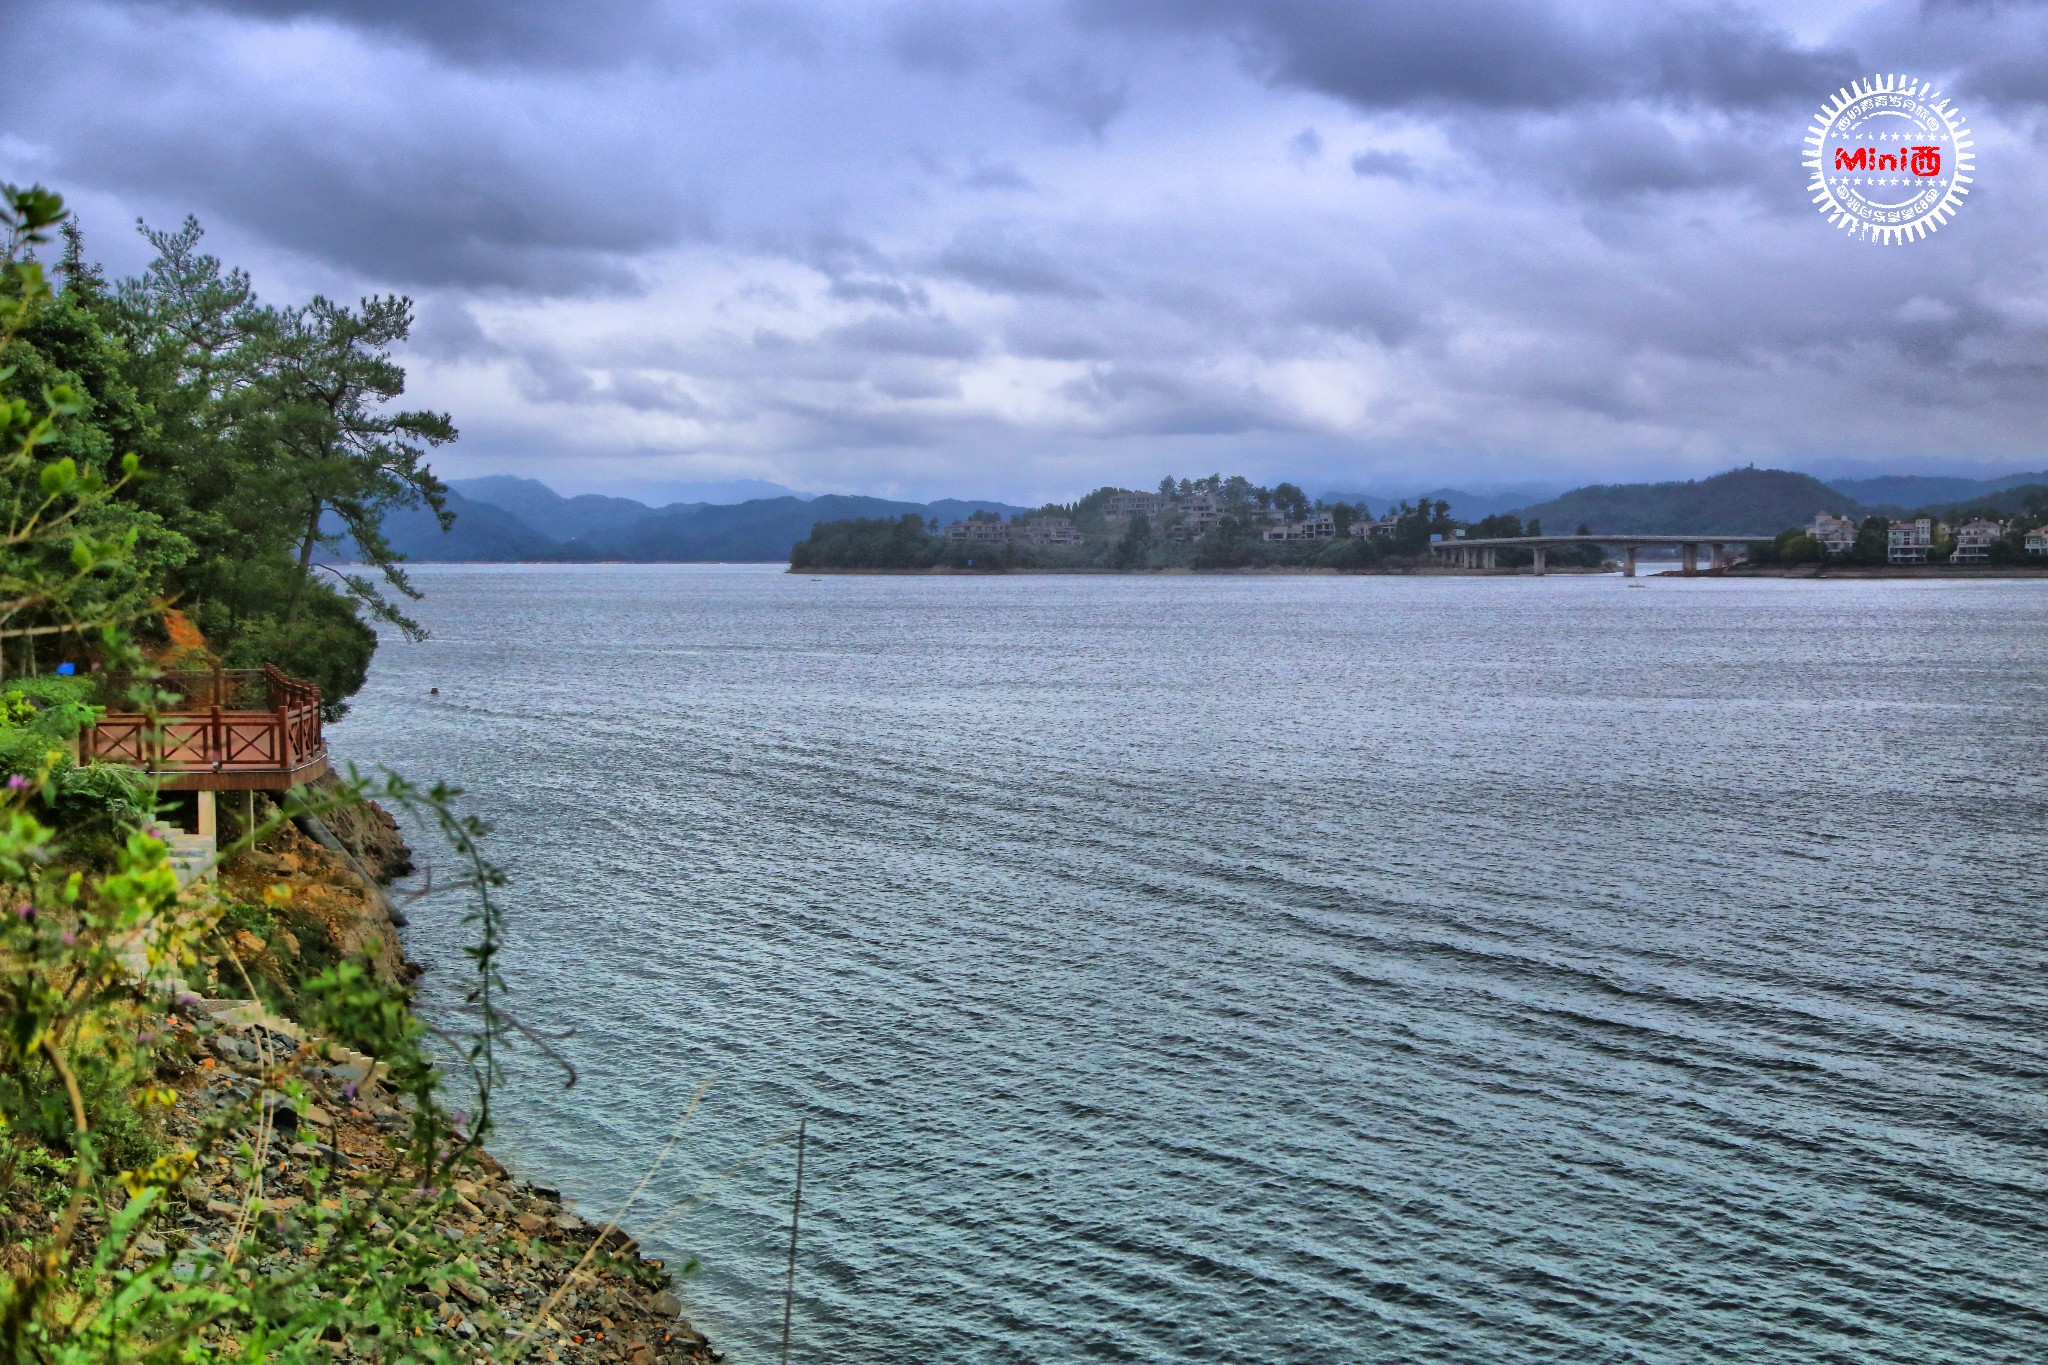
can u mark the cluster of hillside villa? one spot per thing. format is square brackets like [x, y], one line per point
[1910, 542]
[1200, 513]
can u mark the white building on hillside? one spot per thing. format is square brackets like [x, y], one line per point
[1837, 535]
[1200, 513]
[1382, 527]
[1910, 541]
[1124, 505]
[979, 532]
[1318, 526]
[1048, 531]
[2037, 541]
[1973, 541]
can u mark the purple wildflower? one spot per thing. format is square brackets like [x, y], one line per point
[67, 938]
[16, 782]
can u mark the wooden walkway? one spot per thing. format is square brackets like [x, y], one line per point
[228, 730]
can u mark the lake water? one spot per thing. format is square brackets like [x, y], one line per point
[1286, 969]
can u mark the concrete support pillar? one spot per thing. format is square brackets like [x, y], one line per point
[1538, 552]
[1628, 561]
[1721, 557]
[1492, 557]
[209, 821]
[1692, 559]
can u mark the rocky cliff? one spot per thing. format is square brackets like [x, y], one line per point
[534, 1278]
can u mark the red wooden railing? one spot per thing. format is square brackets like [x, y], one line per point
[201, 735]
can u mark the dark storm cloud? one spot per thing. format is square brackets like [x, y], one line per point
[950, 39]
[1990, 53]
[1503, 54]
[1077, 94]
[993, 259]
[407, 184]
[999, 176]
[518, 32]
[1362, 303]
[936, 338]
[1394, 165]
[903, 296]
[814, 239]
[1141, 401]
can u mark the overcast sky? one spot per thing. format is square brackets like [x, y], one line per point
[1021, 250]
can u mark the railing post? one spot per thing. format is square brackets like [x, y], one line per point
[216, 733]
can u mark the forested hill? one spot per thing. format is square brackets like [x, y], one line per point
[1742, 501]
[1912, 492]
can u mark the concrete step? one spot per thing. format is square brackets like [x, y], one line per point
[192, 857]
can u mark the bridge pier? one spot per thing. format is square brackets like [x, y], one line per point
[1492, 557]
[1628, 561]
[1538, 552]
[1692, 558]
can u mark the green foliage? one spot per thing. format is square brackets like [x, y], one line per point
[97, 802]
[69, 551]
[1873, 542]
[866, 543]
[1791, 547]
[82, 1052]
[198, 447]
[39, 719]
[1132, 547]
[87, 1166]
[326, 643]
[1351, 554]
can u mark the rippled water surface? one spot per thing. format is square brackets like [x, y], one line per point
[1292, 969]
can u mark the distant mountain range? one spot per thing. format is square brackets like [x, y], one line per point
[1907, 492]
[1750, 501]
[501, 519]
[1465, 505]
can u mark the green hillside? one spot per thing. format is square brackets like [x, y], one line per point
[1739, 502]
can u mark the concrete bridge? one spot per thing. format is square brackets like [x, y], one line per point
[1482, 554]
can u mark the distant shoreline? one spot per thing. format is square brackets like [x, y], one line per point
[1931, 571]
[1883, 571]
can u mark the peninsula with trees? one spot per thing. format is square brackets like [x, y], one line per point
[1213, 523]
[1218, 523]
